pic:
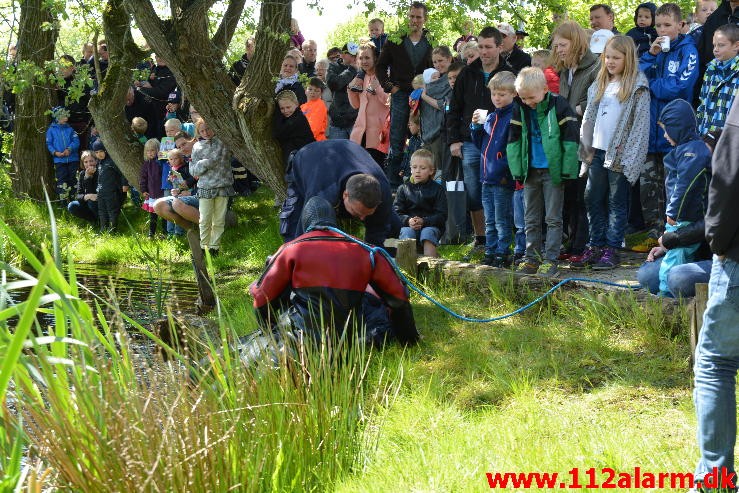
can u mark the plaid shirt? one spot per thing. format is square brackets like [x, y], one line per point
[720, 84]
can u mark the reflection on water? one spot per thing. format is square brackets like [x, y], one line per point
[143, 295]
[140, 294]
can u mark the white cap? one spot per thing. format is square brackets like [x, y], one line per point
[599, 39]
[506, 29]
[427, 74]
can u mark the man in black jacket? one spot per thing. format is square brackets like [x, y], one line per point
[471, 93]
[717, 352]
[396, 67]
[514, 56]
[340, 74]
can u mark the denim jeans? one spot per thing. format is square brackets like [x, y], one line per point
[681, 279]
[543, 197]
[471, 167]
[66, 179]
[86, 209]
[339, 132]
[497, 202]
[519, 222]
[606, 197]
[429, 233]
[716, 364]
[399, 113]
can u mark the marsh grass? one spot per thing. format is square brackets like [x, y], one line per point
[582, 380]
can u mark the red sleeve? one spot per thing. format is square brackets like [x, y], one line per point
[275, 278]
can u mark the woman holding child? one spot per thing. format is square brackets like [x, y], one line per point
[370, 99]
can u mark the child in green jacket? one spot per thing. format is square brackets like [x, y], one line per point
[542, 152]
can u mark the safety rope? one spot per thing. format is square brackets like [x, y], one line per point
[379, 250]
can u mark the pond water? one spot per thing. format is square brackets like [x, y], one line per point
[141, 294]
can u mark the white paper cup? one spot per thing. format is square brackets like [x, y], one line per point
[481, 115]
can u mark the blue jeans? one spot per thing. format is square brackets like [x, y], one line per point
[339, 132]
[66, 179]
[606, 197]
[519, 222]
[471, 168]
[681, 279]
[716, 364]
[172, 228]
[86, 209]
[399, 113]
[497, 202]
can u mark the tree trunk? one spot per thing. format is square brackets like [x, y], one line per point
[108, 105]
[32, 164]
[243, 122]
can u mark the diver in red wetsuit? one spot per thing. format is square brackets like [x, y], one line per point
[320, 282]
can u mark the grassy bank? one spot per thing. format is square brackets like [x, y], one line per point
[576, 382]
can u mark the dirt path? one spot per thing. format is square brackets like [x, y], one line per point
[626, 273]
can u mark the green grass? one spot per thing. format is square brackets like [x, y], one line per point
[579, 381]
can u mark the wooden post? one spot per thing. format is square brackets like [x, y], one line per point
[696, 316]
[407, 257]
[207, 300]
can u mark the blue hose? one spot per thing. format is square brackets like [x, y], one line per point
[373, 250]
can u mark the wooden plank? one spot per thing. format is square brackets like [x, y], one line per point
[207, 300]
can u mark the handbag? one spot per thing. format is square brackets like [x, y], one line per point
[456, 199]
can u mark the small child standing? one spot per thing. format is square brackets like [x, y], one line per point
[290, 127]
[64, 145]
[150, 181]
[139, 126]
[315, 109]
[721, 81]
[421, 204]
[644, 33]
[672, 67]
[112, 187]
[211, 164]
[614, 138]
[414, 143]
[171, 128]
[542, 59]
[542, 152]
[687, 168]
[490, 135]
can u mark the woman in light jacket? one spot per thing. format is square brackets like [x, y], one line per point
[370, 129]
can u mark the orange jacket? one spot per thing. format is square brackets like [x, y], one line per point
[317, 115]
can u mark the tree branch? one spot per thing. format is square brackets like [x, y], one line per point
[230, 21]
[149, 22]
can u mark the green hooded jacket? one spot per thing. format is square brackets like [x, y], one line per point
[560, 138]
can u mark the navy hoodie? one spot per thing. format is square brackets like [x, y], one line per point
[643, 36]
[492, 139]
[687, 166]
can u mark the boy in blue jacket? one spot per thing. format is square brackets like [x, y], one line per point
[64, 145]
[490, 135]
[672, 74]
[688, 175]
